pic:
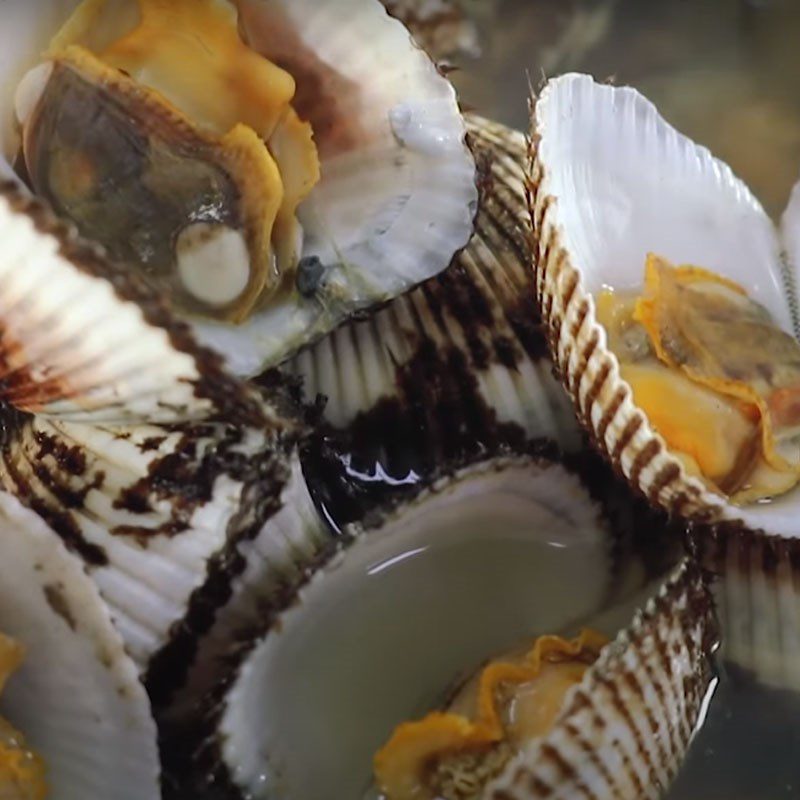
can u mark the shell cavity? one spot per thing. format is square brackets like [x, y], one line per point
[610, 181]
[77, 695]
[388, 589]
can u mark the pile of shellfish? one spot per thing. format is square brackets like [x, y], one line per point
[354, 446]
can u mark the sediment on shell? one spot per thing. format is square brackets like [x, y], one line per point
[458, 364]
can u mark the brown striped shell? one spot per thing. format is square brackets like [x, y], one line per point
[609, 181]
[84, 339]
[625, 730]
[162, 518]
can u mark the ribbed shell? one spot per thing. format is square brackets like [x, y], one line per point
[624, 731]
[522, 497]
[397, 195]
[757, 596]
[609, 181]
[83, 339]
[275, 557]
[156, 514]
[77, 697]
[460, 361]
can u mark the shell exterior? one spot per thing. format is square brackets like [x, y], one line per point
[459, 360]
[758, 601]
[77, 698]
[624, 731]
[442, 27]
[354, 611]
[610, 181]
[157, 515]
[286, 544]
[85, 340]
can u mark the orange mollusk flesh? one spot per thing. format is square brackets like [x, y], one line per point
[21, 772]
[194, 163]
[452, 755]
[717, 378]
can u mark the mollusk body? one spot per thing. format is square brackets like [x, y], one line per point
[291, 176]
[644, 188]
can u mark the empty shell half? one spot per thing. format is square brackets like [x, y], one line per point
[414, 599]
[271, 166]
[76, 696]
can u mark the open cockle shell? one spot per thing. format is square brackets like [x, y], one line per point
[397, 193]
[157, 514]
[611, 181]
[84, 339]
[459, 361]
[77, 697]
[479, 555]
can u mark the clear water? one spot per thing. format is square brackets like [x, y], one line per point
[727, 73]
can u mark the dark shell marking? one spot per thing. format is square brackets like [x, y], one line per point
[460, 363]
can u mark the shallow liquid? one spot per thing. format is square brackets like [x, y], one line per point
[452, 619]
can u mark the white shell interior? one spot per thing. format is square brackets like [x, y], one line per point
[77, 697]
[385, 629]
[389, 211]
[627, 183]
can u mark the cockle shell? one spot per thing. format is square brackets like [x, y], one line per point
[372, 602]
[458, 363]
[397, 195]
[160, 516]
[77, 697]
[84, 339]
[609, 182]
